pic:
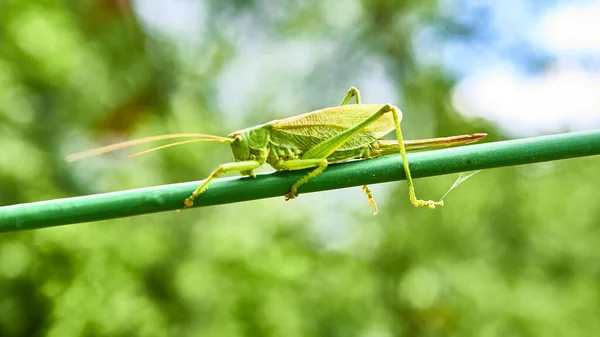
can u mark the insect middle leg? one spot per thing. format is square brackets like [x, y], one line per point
[321, 164]
[299, 164]
[222, 169]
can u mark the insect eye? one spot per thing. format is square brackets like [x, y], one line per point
[238, 138]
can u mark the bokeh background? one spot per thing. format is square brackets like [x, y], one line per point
[515, 251]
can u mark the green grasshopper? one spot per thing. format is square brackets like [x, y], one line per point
[311, 141]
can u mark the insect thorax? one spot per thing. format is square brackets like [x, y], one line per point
[250, 144]
[280, 154]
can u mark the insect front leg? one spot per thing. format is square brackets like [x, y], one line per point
[222, 169]
[300, 164]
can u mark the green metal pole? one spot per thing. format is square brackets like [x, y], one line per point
[228, 190]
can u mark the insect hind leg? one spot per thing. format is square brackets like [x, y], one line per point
[372, 203]
[411, 188]
[330, 145]
[352, 92]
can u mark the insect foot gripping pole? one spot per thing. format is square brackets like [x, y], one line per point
[222, 169]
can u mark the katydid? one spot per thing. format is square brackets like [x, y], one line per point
[311, 141]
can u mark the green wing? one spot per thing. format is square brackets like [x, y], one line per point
[307, 130]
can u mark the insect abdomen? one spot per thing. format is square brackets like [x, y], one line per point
[346, 155]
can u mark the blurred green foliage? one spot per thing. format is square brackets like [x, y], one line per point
[514, 252]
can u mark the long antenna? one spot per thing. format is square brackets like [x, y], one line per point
[129, 143]
[176, 144]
